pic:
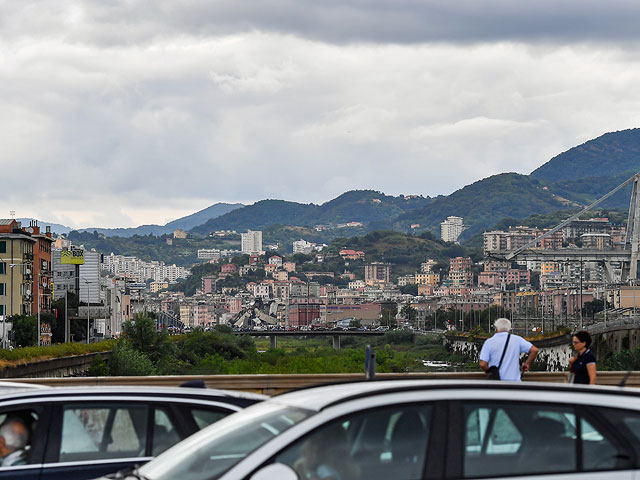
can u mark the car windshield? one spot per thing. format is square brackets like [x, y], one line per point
[213, 451]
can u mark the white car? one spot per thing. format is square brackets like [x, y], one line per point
[417, 429]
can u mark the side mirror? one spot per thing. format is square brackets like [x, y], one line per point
[275, 470]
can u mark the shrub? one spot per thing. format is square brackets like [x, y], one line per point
[127, 361]
[98, 367]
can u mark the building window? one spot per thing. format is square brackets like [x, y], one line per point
[3, 246]
[2, 289]
[3, 268]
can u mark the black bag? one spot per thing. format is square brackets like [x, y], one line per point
[493, 372]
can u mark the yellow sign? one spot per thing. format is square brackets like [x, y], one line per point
[72, 257]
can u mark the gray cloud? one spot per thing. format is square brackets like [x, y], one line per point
[334, 21]
[138, 112]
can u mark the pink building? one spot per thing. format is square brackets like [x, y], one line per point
[517, 276]
[203, 315]
[229, 268]
[234, 305]
[208, 284]
[289, 266]
[491, 279]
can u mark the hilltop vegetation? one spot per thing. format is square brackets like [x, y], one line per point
[605, 156]
[486, 201]
[364, 206]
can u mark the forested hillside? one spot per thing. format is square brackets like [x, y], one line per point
[608, 155]
[486, 201]
[364, 206]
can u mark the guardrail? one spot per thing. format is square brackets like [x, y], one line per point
[273, 384]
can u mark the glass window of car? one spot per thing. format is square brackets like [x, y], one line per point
[165, 434]
[102, 432]
[383, 443]
[213, 451]
[525, 439]
[24, 422]
[204, 418]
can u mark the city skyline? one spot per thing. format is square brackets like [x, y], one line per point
[138, 113]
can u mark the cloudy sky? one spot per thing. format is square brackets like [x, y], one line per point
[121, 113]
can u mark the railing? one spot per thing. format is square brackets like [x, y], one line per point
[272, 384]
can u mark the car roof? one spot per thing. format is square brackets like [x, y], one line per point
[233, 397]
[7, 387]
[320, 397]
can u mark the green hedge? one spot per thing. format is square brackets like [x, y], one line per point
[27, 354]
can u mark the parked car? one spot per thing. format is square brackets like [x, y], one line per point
[82, 433]
[412, 429]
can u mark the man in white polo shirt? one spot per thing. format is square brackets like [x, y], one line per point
[492, 352]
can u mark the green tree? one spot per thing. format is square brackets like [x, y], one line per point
[408, 312]
[127, 361]
[25, 330]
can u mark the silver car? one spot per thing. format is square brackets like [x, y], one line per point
[418, 429]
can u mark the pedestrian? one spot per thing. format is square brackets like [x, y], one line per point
[583, 364]
[503, 351]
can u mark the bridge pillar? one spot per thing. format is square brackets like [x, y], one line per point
[336, 342]
[273, 341]
[633, 231]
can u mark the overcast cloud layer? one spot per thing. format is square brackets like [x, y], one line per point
[117, 114]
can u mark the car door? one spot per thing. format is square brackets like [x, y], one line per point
[386, 442]
[510, 439]
[92, 438]
[36, 419]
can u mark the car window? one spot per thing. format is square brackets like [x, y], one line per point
[213, 451]
[525, 439]
[103, 432]
[165, 434]
[204, 418]
[382, 443]
[21, 424]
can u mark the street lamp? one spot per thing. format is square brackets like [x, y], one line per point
[88, 293]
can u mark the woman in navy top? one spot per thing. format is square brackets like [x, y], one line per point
[584, 364]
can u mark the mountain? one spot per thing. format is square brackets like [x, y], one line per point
[483, 203]
[365, 206]
[608, 155]
[586, 172]
[55, 227]
[184, 223]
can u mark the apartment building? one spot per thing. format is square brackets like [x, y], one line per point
[251, 242]
[377, 273]
[76, 271]
[451, 229]
[16, 269]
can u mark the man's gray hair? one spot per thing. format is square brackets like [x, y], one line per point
[502, 325]
[15, 434]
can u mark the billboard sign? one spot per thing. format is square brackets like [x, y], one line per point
[72, 257]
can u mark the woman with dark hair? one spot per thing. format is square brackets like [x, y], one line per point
[583, 365]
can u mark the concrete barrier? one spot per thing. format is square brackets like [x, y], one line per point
[53, 367]
[273, 384]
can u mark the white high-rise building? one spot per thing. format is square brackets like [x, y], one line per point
[252, 241]
[451, 229]
[302, 246]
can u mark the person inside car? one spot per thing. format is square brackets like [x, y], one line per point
[14, 436]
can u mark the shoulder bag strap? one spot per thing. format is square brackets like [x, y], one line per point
[505, 350]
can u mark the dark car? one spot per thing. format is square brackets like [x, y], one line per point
[82, 433]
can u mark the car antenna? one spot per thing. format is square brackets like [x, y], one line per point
[623, 382]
